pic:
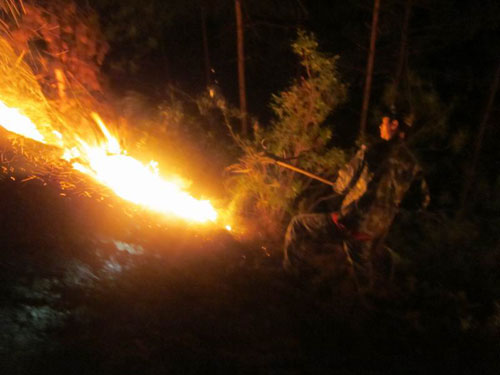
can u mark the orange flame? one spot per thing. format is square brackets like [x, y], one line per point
[12, 120]
[110, 165]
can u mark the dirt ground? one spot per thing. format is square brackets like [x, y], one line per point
[91, 287]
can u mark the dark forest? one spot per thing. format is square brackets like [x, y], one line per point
[237, 186]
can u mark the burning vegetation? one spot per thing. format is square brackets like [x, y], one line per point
[83, 139]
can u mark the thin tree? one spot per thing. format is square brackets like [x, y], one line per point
[206, 54]
[369, 70]
[403, 50]
[470, 172]
[241, 66]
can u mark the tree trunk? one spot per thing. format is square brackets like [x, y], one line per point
[206, 53]
[403, 50]
[241, 67]
[470, 172]
[369, 70]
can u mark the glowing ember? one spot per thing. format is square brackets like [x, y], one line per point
[111, 166]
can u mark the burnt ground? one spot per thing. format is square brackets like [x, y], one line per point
[91, 287]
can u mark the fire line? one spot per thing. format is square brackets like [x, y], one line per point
[110, 165]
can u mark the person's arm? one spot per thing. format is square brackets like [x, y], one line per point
[349, 173]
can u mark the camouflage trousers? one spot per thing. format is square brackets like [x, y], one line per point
[314, 246]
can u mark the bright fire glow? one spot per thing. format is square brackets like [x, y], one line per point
[112, 167]
[14, 121]
[141, 184]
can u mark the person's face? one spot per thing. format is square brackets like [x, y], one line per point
[388, 128]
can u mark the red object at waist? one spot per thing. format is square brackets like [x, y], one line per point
[358, 236]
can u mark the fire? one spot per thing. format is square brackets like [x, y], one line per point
[12, 120]
[141, 184]
[110, 165]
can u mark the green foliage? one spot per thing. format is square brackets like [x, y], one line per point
[298, 134]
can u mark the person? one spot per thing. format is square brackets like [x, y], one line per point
[372, 186]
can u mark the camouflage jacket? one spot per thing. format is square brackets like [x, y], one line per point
[352, 180]
[374, 185]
